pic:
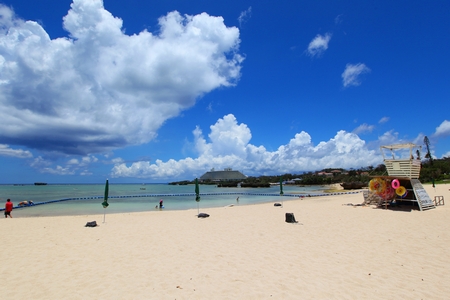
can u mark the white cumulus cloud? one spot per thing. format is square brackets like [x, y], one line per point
[5, 150]
[228, 145]
[99, 89]
[352, 74]
[443, 129]
[319, 44]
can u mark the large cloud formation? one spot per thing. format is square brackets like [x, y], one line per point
[228, 145]
[100, 89]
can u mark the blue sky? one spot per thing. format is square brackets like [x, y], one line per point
[161, 91]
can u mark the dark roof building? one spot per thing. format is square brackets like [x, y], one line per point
[226, 175]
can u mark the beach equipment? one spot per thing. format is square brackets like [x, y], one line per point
[105, 199]
[395, 184]
[281, 189]
[290, 218]
[91, 224]
[197, 195]
[281, 186]
[377, 185]
[388, 193]
[401, 191]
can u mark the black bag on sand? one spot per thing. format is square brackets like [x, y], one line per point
[277, 204]
[290, 218]
[202, 215]
[91, 224]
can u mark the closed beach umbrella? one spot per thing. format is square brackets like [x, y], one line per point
[197, 194]
[105, 199]
[281, 189]
[197, 191]
[281, 186]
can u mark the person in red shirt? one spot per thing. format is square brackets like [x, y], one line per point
[8, 208]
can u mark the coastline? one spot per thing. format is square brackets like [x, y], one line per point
[239, 252]
[63, 201]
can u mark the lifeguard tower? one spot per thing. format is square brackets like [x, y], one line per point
[401, 167]
[402, 183]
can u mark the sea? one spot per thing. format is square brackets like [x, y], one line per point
[86, 199]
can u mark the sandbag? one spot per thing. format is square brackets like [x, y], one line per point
[91, 224]
[290, 218]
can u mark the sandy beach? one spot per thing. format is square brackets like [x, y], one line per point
[336, 251]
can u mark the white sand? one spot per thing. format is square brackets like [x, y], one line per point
[240, 252]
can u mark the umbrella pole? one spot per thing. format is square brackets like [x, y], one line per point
[198, 208]
[104, 215]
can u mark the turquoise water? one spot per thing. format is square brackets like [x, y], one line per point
[137, 197]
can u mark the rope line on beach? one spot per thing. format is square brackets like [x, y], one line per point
[188, 194]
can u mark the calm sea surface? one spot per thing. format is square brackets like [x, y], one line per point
[137, 197]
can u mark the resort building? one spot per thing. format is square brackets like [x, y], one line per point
[226, 175]
[324, 174]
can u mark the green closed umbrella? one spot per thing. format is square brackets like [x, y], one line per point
[105, 199]
[281, 186]
[281, 189]
[197, 194]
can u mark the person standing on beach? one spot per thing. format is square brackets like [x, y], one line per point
[8, 208]
[160, 203]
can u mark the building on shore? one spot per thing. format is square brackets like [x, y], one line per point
[226, 175]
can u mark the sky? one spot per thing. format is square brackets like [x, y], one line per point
[162, 91]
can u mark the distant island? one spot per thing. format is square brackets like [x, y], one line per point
[40, 183]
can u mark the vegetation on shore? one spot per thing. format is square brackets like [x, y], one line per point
[436, 170]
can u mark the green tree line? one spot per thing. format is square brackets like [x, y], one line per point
[436, 170]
